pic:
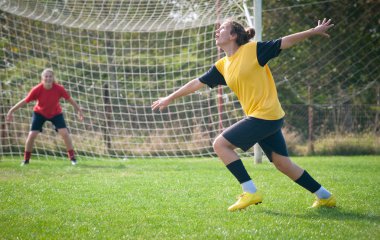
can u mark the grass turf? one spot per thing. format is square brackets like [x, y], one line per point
[183, 199]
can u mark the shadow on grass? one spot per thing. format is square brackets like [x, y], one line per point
[329, 213]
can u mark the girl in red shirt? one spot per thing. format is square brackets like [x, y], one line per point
[47, 94]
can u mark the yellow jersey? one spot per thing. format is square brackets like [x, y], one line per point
[252, 83]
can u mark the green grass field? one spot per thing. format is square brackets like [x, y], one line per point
[183, 199]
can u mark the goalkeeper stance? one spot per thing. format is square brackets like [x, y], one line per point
[245, 71]
[47, 94]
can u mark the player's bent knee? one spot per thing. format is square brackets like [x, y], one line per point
[220, 143]
[216, 145]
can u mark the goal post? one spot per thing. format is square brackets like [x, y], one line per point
[256, 23]
[258, 35]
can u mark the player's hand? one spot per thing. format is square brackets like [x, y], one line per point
[322, 27]
[80, 116]
[9, 117]
[160, 104]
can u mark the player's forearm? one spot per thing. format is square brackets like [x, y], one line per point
[187, 89]
[75, 105]
[291, 40]
[20, 104]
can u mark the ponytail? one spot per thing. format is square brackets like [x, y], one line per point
[243, 35]
[250, 33]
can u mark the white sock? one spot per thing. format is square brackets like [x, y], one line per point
[249, 186]
[322, 193]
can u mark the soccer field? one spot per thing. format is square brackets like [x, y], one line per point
[183, 199]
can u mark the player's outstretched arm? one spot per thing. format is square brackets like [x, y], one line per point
[186, 89]
[14, 108]
[320, 29]
[77, 108]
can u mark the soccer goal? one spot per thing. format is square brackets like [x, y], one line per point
[115, 58]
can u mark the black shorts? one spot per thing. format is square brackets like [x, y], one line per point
[38, 121]
[249, 131]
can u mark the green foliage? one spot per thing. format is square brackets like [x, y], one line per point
[348, 144]
[183, 199]
[336, 68]
[334, 144]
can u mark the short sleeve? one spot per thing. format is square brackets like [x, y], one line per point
[32, 95]
[63, 92]
[213, 78]
[268, 50]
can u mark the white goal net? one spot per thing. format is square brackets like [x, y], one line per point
[115, 58]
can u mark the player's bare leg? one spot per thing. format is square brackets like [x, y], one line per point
[302, 177]
[69, 144]
[66, 138]
[29, 146]
[225, 151]
[286, 166]
[30, 140]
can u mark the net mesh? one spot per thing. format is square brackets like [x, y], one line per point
[116, 57]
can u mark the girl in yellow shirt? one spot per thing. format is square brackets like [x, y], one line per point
[245, 71]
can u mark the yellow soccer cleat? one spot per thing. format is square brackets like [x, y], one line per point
[246, 199]
[329, 202]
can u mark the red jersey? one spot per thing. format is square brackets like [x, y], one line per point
[47, 99]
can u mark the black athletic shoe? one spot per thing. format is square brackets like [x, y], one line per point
[73, 161]
[24, 162]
